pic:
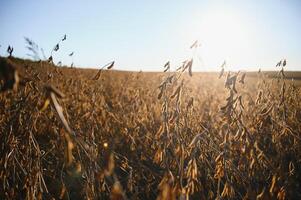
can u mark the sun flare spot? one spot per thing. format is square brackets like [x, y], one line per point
[225, 36]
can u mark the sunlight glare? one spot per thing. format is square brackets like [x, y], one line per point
[224, 37]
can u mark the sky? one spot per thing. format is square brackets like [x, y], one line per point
[144, 35]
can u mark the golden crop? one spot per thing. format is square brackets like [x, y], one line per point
[70, 133]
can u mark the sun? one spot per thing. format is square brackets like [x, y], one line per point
[224, 36]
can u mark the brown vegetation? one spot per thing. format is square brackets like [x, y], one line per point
[124, 135]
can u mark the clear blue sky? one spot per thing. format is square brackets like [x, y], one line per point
[146, 34]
